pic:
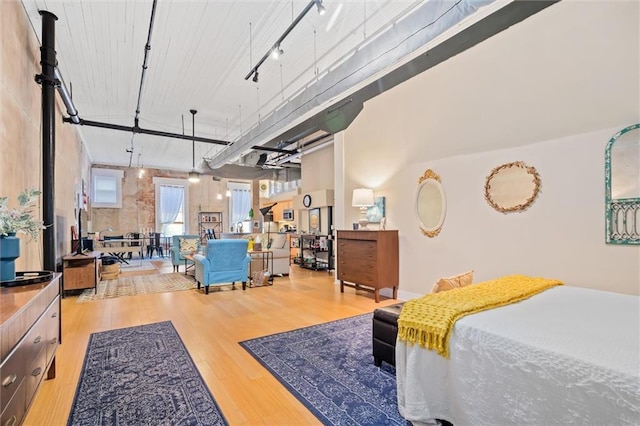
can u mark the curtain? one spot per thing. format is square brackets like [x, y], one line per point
[171, 198]
[240, 205]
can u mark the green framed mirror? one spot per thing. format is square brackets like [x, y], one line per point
[622, 187]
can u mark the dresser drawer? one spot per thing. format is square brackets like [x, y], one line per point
[15, 410]
[366, 276]
[12, 373]
[35, 372]
[360, 266]
[35, 342]
[51, 322]
[352, 249]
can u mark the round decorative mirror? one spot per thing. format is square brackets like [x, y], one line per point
[431, 204]
[512, 187]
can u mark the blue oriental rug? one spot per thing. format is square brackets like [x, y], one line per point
[329, 368]
[141, 376]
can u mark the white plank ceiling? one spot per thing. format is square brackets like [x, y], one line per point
[200, 53]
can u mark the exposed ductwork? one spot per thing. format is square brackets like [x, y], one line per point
[308, 113]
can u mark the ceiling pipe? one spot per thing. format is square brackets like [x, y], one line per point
[74, 118]
[66, 97]
[147, 48]
[136, 129]
[48, 83]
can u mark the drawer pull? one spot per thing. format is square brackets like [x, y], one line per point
[9, 380]
[37, 340]
[54, 340]
[37, 371]
[55, 314]
[11, 421]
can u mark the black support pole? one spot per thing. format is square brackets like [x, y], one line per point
[48, 81]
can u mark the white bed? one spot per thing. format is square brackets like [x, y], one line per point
[565, 356]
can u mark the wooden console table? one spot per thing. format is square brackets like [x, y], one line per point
[81, 271]
[29, 338]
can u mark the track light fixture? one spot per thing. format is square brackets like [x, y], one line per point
[276, 50]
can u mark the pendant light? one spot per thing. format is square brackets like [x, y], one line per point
[194, 176]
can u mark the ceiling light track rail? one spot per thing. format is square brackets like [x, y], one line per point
[137, 129]
[276, 46]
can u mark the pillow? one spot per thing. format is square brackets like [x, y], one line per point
[188, 245]
[279, 241]
[456, 281]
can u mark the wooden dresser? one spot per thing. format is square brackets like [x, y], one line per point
[368, 260]
[29, 338]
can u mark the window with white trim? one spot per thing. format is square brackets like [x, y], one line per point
[106, 188]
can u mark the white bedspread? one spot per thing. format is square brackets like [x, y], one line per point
[565, 356]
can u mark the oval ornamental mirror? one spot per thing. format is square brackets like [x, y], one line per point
[622, 187]
[512, 187]
[431, 204]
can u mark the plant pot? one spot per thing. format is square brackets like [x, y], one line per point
[9, 252]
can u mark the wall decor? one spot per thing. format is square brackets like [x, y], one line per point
[512, 187]
[622, 187]
[431, 203]
[376, 212]
[314, 221]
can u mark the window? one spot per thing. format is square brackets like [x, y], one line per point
[276, 187]
[239, 205]
[171, 206]
[107, 188]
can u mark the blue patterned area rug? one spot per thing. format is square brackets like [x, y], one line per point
[329, 368]
[141, 375]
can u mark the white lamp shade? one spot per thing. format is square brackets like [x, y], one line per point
[362, 197]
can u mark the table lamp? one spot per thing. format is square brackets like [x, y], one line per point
[362, 198]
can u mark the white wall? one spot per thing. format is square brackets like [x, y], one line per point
[549, 91]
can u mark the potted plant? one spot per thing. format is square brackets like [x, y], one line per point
[17, 220]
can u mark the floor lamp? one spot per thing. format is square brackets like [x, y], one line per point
[265, 211]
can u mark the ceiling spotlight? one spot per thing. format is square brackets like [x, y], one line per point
[276, 51]
[194, 176]
[321, 9]
[255, 76]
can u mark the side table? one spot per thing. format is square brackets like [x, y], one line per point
[81, 271]
[267, 263]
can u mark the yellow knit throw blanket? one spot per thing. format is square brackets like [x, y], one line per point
[429, 320]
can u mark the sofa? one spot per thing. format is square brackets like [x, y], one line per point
[280, 248]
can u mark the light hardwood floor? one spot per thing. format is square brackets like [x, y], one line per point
[211, 327]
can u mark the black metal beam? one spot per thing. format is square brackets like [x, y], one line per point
[136, 129]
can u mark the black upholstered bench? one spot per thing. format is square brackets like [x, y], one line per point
[385, 331]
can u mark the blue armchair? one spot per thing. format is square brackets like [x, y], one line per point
[191, 243]
[226, 261]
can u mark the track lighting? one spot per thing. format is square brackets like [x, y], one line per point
[276, 51]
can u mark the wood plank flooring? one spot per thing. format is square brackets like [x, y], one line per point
[211, 327]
